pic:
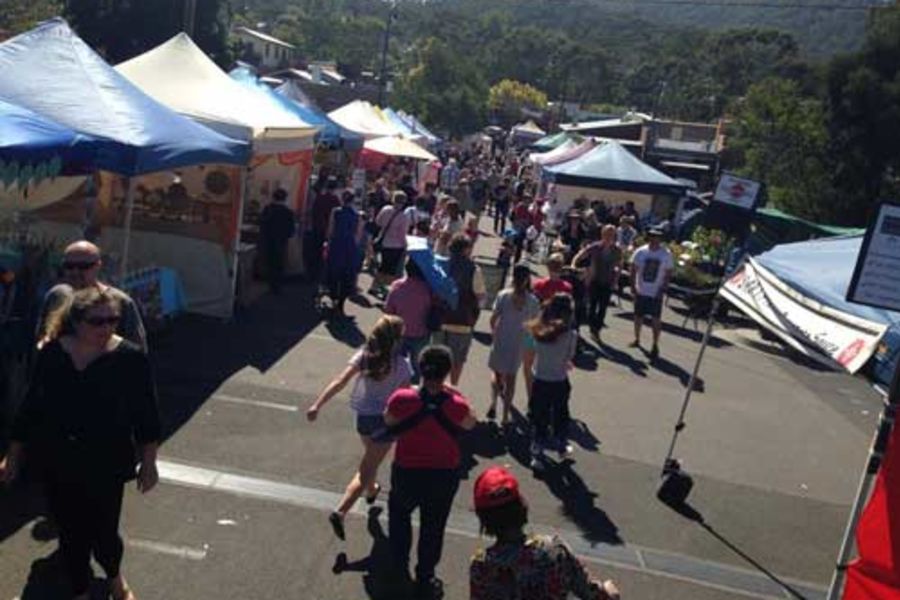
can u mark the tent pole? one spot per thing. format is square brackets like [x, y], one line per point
[679, 425]
[236, 245]
[876, 454]
[129, 216]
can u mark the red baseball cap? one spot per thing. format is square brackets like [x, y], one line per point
[495, 487]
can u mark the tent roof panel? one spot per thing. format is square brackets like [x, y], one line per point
[178, 74]
[363, 118]
[51, 71]
[611, 166]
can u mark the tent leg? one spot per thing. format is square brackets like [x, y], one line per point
[129, 216]
[876, 454]
[235, 249]
[679, 425]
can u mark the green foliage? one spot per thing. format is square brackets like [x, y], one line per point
[508, 97]
[443, 88]
[784, 141]
[122, 29]
[17, 16]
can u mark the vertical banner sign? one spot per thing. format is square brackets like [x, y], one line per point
[737, 192]
[876, 278]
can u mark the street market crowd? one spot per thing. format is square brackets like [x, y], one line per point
[413, 236]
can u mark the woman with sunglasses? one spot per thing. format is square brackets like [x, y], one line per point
[89, 423]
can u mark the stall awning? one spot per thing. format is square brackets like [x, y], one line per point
[178, 74]
[362, 118]
[400, 147]
[329, 132]
[52, 72]
[34, 148]
[610, 166]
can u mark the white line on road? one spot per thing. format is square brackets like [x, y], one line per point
[168, 549]
[259, 403]
[671, 565]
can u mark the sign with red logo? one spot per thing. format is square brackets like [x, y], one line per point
[737, 191]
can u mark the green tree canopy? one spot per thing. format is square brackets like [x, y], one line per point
[508, 98]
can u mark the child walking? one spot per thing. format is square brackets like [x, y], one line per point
[548, 405]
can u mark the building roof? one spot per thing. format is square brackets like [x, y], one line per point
[265, 37]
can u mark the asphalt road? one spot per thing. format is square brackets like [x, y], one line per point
[775, 446]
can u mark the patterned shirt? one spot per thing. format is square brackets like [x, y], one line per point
[543, 568]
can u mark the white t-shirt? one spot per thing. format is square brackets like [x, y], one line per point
[369, 397]
[395, 234]
[651, 267]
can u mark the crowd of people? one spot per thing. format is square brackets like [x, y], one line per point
[90, 421]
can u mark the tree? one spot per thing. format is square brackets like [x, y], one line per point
[785, 143]
[863, 96]
[122, 29]
[508, 98]
[443, 88]
[20, 15]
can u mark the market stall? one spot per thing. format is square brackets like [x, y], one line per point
[611, 173]
[52, 72]
[365, 119]
[178, 74]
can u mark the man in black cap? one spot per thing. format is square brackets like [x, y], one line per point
[651, 270]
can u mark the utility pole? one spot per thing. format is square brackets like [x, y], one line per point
[382, 79]
[190, 16]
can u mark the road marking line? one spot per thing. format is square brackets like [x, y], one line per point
[626, 556]
[259, 403]
[184, 552]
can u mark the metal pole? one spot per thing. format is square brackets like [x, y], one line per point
[876, 453]
[236, 246]
[190, 16]
[384, 50]
[693, 380]
[129, 215]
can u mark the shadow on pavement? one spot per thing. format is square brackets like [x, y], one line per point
[578, 501]
[47, 579]
[376, 567]
[663, 365]
[695, 335]
[197, 355]
[638, 367]
[686, 510]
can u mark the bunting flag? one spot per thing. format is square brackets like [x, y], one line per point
[875, 575]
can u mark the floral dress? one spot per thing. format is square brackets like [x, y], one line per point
[541, 568]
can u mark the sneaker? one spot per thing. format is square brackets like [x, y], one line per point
[491, 414]
[537, 453]
[634, 344]
[429, 589]
[337, 524]
[654, 351]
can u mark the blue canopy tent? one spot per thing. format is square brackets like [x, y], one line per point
[52, 72]
[817, 274]
[294, 99]
[418, 127]
[33, 148]
[610, 166]
[404, 127]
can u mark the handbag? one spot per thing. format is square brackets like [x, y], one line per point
[379, 241]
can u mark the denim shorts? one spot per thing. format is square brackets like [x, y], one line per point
[369, 424]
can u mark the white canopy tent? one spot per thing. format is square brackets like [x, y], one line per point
[540, 158]
[179, 75]
[365, 119]
[398, 146]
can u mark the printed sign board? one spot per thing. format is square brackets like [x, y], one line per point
[737, 191]
[876, 278]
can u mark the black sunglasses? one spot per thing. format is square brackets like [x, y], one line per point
[101, 321]
[79, 266]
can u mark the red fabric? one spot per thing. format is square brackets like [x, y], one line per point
[495, 487]
[875, 575]
[546, 288]
[427, 445]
